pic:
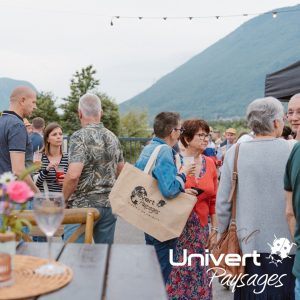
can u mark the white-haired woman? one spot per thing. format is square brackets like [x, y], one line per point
[260, 203]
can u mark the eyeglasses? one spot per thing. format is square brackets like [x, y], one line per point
[291, 113]
[203, 136]
[178, 129]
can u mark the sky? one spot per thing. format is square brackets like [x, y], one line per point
[45, 42]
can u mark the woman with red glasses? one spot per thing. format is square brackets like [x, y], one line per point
[193, 282]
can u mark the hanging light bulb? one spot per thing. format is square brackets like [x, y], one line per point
[274, 14]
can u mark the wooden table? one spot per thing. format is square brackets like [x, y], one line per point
[117, 272]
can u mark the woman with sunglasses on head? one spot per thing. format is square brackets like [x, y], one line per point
[193, 282]
[54, 161]
[167, 129]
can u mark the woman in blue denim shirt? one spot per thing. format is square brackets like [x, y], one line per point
[167, 131]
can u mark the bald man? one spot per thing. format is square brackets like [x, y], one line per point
[293, 113]
[15, 144]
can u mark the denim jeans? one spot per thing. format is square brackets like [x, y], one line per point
[297, 289]
[162, 252]
[104, 228]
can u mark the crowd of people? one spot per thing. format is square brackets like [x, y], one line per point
[196, 161]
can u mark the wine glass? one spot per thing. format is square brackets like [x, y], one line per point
[48, 209]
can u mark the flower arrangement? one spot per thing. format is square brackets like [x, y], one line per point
[14, 193]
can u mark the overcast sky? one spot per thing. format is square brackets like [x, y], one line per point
[45, 41]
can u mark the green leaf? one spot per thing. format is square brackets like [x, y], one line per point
[25, 223]
[27, 171]
[17, 226]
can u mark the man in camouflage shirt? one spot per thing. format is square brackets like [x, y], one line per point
[95, 159]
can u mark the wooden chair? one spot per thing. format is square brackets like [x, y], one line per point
[83, 216]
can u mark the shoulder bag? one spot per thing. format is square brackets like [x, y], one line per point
[229, 243]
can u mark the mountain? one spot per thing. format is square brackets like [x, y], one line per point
[6, 87]
[225, 77]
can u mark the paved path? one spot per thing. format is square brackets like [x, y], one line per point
[127, 234]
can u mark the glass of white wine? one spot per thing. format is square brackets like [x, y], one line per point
[48, 210]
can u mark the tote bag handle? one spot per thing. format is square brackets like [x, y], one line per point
[152, 160]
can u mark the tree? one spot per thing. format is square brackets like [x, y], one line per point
[83, 81]
[135, 124]
[46, 108]
[111, 116]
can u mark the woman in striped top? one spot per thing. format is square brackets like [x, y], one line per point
[53, 159]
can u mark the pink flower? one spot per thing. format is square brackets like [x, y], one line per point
[19, 191]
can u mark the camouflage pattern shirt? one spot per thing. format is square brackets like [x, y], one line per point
[100, 151]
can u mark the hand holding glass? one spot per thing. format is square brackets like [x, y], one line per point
[49, 213]
[37, 158]
[189, 165]
[60, 172]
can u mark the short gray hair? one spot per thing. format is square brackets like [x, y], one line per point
[262, 112]
[90, 105]
[296, 96]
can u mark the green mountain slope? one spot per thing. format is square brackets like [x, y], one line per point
[224, 78]
[6, 87]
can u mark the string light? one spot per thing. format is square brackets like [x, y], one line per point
[111, 21]
[273, 13]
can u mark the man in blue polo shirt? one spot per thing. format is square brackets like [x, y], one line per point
[15, 144]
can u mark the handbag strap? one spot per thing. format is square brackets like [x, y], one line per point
[152, 160]
[233, 192]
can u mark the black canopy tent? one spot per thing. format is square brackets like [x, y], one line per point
[284, 83]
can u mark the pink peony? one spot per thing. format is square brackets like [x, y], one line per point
[19, 191]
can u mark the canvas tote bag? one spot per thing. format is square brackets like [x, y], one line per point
[136, 198]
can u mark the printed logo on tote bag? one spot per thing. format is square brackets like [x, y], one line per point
[139, 199]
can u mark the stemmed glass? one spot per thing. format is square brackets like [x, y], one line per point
[48, 209]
